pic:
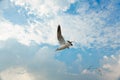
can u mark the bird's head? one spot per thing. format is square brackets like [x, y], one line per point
[70, 43]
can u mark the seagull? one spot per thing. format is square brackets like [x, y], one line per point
[63, 44]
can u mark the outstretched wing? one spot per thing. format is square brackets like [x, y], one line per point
[59, 36]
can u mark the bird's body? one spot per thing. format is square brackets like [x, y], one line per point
[66, 45]
[63, 44]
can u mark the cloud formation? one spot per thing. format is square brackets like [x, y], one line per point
[111, 67]
[90, 30]
[37, 63]
[23, 50]
[18, 73]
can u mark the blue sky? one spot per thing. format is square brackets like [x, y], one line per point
[28, 39]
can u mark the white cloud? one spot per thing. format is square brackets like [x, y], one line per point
[107, 66]
[111, 67]
[42, 64]
[105, 57]
[28, 63]
[44, 8]
[89, 29]
[18, 73]
[85, 71]
[26, 34]
[79, 58]
[49, 68]
[9, 30]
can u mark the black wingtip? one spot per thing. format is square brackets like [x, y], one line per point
[59, 28]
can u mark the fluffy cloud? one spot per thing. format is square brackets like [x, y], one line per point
[111, 67]
[30, 63]
[26, 34]
[44, 8]
[46, 32]
[36, 63]
[89, 29]
[18, 73]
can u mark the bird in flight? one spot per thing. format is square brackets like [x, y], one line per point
[63, 44]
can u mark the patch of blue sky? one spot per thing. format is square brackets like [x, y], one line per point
[112, 9]
[12, 14]
[94, 5]
[114, 17]
[72, 9]
[99, 6]
[92, 57]
[67, 56]
[19, 15]
[98, 1]
[89, 56]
